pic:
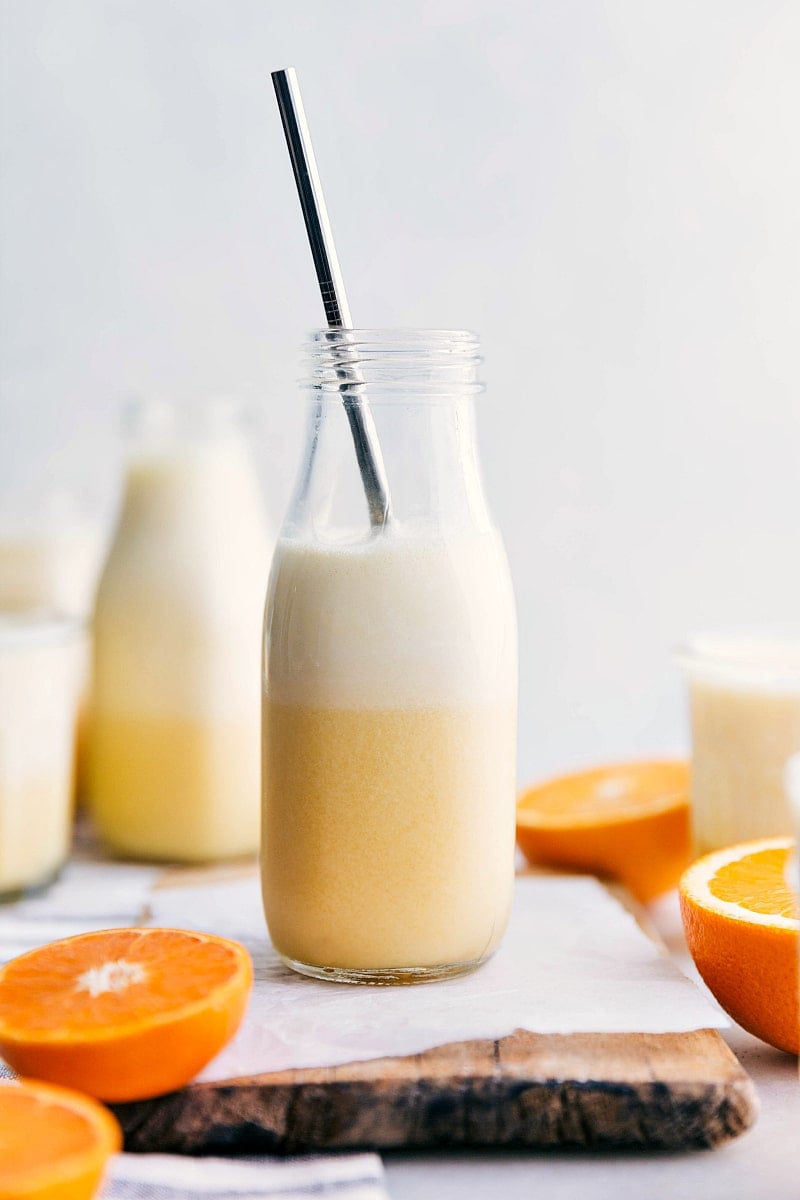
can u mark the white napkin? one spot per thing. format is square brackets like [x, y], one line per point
[170, 1177]
[573, 960]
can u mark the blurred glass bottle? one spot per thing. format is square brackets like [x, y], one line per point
[174, 737]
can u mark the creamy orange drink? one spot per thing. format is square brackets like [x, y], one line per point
[744, 690]
[390, 752]
[174, 736]
[390, 725]
[41, 663]
[50, 560]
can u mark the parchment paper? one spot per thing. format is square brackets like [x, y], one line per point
[573, 960]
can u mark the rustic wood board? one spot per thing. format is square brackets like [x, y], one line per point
[583, 1091]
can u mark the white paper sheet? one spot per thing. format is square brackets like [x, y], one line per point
[573, 960]
[87, 896]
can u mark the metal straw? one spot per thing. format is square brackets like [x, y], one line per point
[331, 286]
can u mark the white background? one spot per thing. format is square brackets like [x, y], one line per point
[607, 192]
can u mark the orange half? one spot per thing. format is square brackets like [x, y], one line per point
[629, 821]
[741, 925]
[123, 1014]
[54, 1143]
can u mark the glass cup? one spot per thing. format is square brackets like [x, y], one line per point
[744, 693]
[51, 549]
[41, 676]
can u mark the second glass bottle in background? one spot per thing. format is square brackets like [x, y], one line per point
[173, 751]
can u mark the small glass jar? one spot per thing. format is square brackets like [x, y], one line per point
[744, 694]
[41, 675]
[51, 550]
[390, 680]
[174, 734]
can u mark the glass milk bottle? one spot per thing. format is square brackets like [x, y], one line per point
[174, 741]
[390, 682]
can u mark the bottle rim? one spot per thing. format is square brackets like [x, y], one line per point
[430, 364]
[28, 629]
[761, 655]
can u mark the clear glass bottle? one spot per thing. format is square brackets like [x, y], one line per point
[390, 681]
[174, 733]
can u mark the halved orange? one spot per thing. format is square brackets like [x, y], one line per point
[629, 821]
[54, 1143]
[125, 1013]
[741, 924]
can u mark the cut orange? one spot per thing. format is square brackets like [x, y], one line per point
[125, 1013]
[741, 925]
[629, 821]
[54, 1143]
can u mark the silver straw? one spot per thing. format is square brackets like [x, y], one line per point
[331, 286]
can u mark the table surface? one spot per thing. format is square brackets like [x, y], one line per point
[762, 1164]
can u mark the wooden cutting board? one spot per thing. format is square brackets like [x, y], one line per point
[586, 1091]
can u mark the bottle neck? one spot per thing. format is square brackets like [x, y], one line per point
[184, 460]
[415, 390]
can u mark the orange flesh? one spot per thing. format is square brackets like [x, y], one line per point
[54, 1143]
[67, 1133]
[756, 882]
[164, 972]
[123, 1014]
[749, 962]
[624, 791]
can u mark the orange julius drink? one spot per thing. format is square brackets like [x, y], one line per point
[390, 676]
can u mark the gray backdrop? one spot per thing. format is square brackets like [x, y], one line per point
[607, 192]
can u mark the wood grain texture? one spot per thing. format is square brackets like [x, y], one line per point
[587, 1091]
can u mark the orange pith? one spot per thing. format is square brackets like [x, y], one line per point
[629, 821]
[741, 925]
[125, 1013]
[54, 1143]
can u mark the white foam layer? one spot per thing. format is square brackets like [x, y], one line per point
[768, 658]
[51, 565]
[181, 601]
[393, 621]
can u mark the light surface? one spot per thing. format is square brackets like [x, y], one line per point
[761, 1164]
